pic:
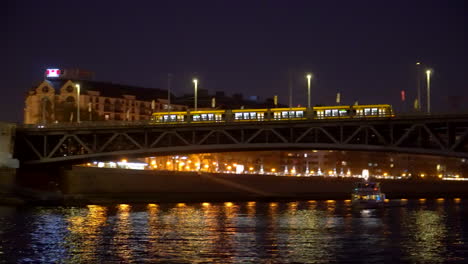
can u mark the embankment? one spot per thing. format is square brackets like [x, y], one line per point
[100, 185]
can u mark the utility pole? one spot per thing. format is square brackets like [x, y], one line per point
[169, 77]
[418, 73]
[290, 88]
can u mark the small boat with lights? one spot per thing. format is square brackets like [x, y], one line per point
[367, 195]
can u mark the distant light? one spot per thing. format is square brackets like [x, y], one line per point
[418, 63]
[309, 76]
[195, 81]
[228, 204]
[206, 204]
[53, 73]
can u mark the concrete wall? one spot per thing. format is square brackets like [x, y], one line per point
[7, 140]
[134, 185]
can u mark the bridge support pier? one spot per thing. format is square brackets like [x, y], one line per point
[7, 139]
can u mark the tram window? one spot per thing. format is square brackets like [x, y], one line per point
[253, 115]
[218, 117]
[382, 111]
[343, 112]
[196, 117]
[260, 116]
[166, 118]
[238, 116]
[375, 111]
[299, 113]
[359, 112]
[277, 115]
[180, 118]
[284, 114]
[328, 113]
[246, 116]
[320, 114]
[367, 111]
[335, 112]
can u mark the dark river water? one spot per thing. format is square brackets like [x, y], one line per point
[420, 231]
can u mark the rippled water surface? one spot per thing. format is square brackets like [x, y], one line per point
[420, 231]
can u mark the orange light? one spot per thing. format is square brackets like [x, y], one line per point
[228, 204]
[206, 204]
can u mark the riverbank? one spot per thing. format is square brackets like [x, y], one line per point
[87, 185]
[98, 186]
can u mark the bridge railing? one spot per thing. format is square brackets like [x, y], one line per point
[113, 123]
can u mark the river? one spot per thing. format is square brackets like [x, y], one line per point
[418, 231]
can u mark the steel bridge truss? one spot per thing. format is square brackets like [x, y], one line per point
[444, 136]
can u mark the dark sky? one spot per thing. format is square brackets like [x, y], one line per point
[364, 49]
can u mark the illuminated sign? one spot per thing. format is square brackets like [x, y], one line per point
[52, 73]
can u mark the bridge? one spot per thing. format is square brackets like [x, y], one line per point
[443, 135]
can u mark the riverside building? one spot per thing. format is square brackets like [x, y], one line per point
[55, 99]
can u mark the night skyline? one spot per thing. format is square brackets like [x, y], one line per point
[365, 51]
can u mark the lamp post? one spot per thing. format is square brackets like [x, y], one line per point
[309, 76]
[418, 72]
[428, 79]
[195, 85]
[78, 103]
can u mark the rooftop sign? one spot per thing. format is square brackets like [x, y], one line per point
[53, 73]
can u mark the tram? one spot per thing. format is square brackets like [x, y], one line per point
[274, 114]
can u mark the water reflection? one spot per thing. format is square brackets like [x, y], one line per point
[426, 234]
[250, 232]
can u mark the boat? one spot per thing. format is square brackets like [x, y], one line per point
[367, 195]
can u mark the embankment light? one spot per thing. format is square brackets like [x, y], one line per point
[273, 170]
[206, 166]
[180, 204]
[124, 160]
[228, 204]
[152, 205]
[229, 167]
[206, 204]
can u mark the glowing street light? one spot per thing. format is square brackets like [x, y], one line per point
[195, 85]
[418, 72]
[309, 76]
[428, 78]
[78, 103]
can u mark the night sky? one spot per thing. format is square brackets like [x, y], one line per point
[366, 50]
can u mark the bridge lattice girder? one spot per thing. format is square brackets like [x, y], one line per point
[445, 136]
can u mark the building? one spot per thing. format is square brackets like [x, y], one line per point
[55, 100]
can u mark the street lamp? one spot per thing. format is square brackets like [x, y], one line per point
[428, 78]
[309, 76]
[418, 73]
[195, 83]
[78, 103]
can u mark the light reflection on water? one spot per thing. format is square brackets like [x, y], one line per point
[429, 231]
